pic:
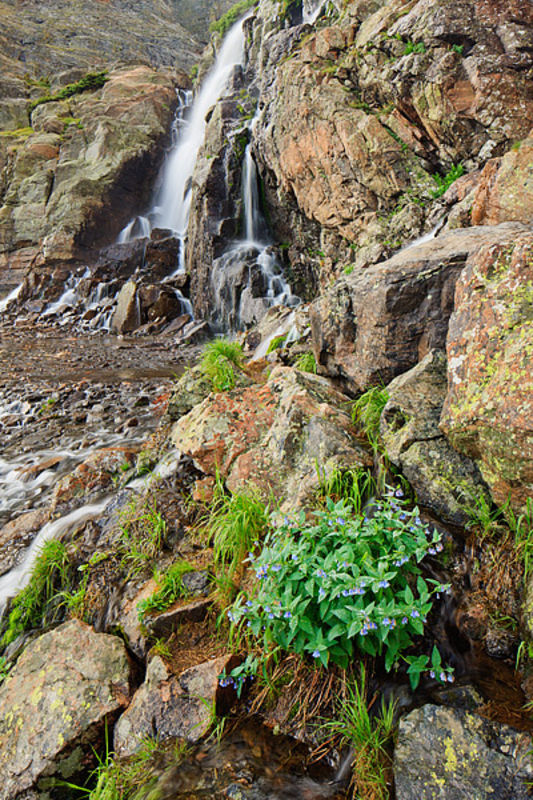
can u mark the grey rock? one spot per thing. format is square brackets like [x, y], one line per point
[447, 754]
[127, 315]
[64, 688]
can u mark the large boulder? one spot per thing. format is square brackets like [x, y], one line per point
[377, 323]
[170, 706]
[66, 686]
[446, 754]
[279, 436]
[443, 479]
[488, 412]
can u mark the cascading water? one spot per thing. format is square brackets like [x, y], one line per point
[247, 279]
[311, 11]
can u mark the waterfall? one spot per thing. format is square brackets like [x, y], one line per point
[173, 200]
[311, 11]
[11, 297]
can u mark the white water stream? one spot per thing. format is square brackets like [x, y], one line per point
[16, 579]
[10, 298]
[311, 11]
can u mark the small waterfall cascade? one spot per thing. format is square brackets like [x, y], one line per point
[173, 199]
[10, 298]
[247, 280]
[311, 11]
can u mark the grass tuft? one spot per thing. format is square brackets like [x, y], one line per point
[219, 360]
[367, 410]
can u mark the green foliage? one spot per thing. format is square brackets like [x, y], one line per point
[171, 589]
[28, 608]
[91, 81]
[219, 360]
[277, 343]
[143, 532]
[444, 183]
[522, 528]
[5, 668]
[368, 737]
[354, 485]
[75, 121]
[458, 48]
[344, 583]
[120, 780]
[367, 410]
[228, 19]
[412, 47]
[483, 515]
[306, 362]
[235, 522]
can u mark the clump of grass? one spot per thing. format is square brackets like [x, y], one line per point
[143, 532]
[91, 81]
[35, 602]
[234, 522]
[231, 16]
[277, 343]
[171, 588]
[522, 527]
[306, 362]
[354, 485]
[367, 410]
[368, 736]
[219, 360]
[17, 133]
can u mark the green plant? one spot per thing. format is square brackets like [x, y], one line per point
[458, 48]
[143, 532]
[17, 133]
[354, 485]
[412, 47]
[368, 737]
[444, 182]
[219, 360]
[171, 588]
[231, 16]
[47, 404]
[348, 269]
[5, 668]
[50, 572]
[161, 648]
[367, 410]
[522, 528]
[74, 599]
[344, 583]
[234, 523]
[481, 511]
[277, 343]
[68, 121]
[91, 81]
[306, 362]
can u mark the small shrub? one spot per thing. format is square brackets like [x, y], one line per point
[219, 360]
[171, 589]
[444, 183]
[458, 48]
[367, 410]
[306, 362]
[368, 736]
[231, 16]
[345, 583]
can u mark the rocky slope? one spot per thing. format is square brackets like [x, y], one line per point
[385, 121]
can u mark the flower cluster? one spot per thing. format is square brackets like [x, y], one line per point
[344, 583]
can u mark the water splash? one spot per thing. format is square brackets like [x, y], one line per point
[10, 298]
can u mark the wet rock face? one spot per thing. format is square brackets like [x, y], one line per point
[273, 436]
[63, 689]
[377, 323]
[488, 413]
[365, 111]
[73, 175]
[447, 754]
[413, 441]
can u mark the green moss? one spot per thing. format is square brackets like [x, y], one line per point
[18, 133]
[90, 82]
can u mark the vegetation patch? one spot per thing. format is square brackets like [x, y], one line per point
[228, 19]
[343, 583]
[91, 81]
[171, 589]
[219, 361]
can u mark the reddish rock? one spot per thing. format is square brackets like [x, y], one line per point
[377, 323]
[505, 191]
[91, 477]
[17, 534]
[278, 437]
[488, 412]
